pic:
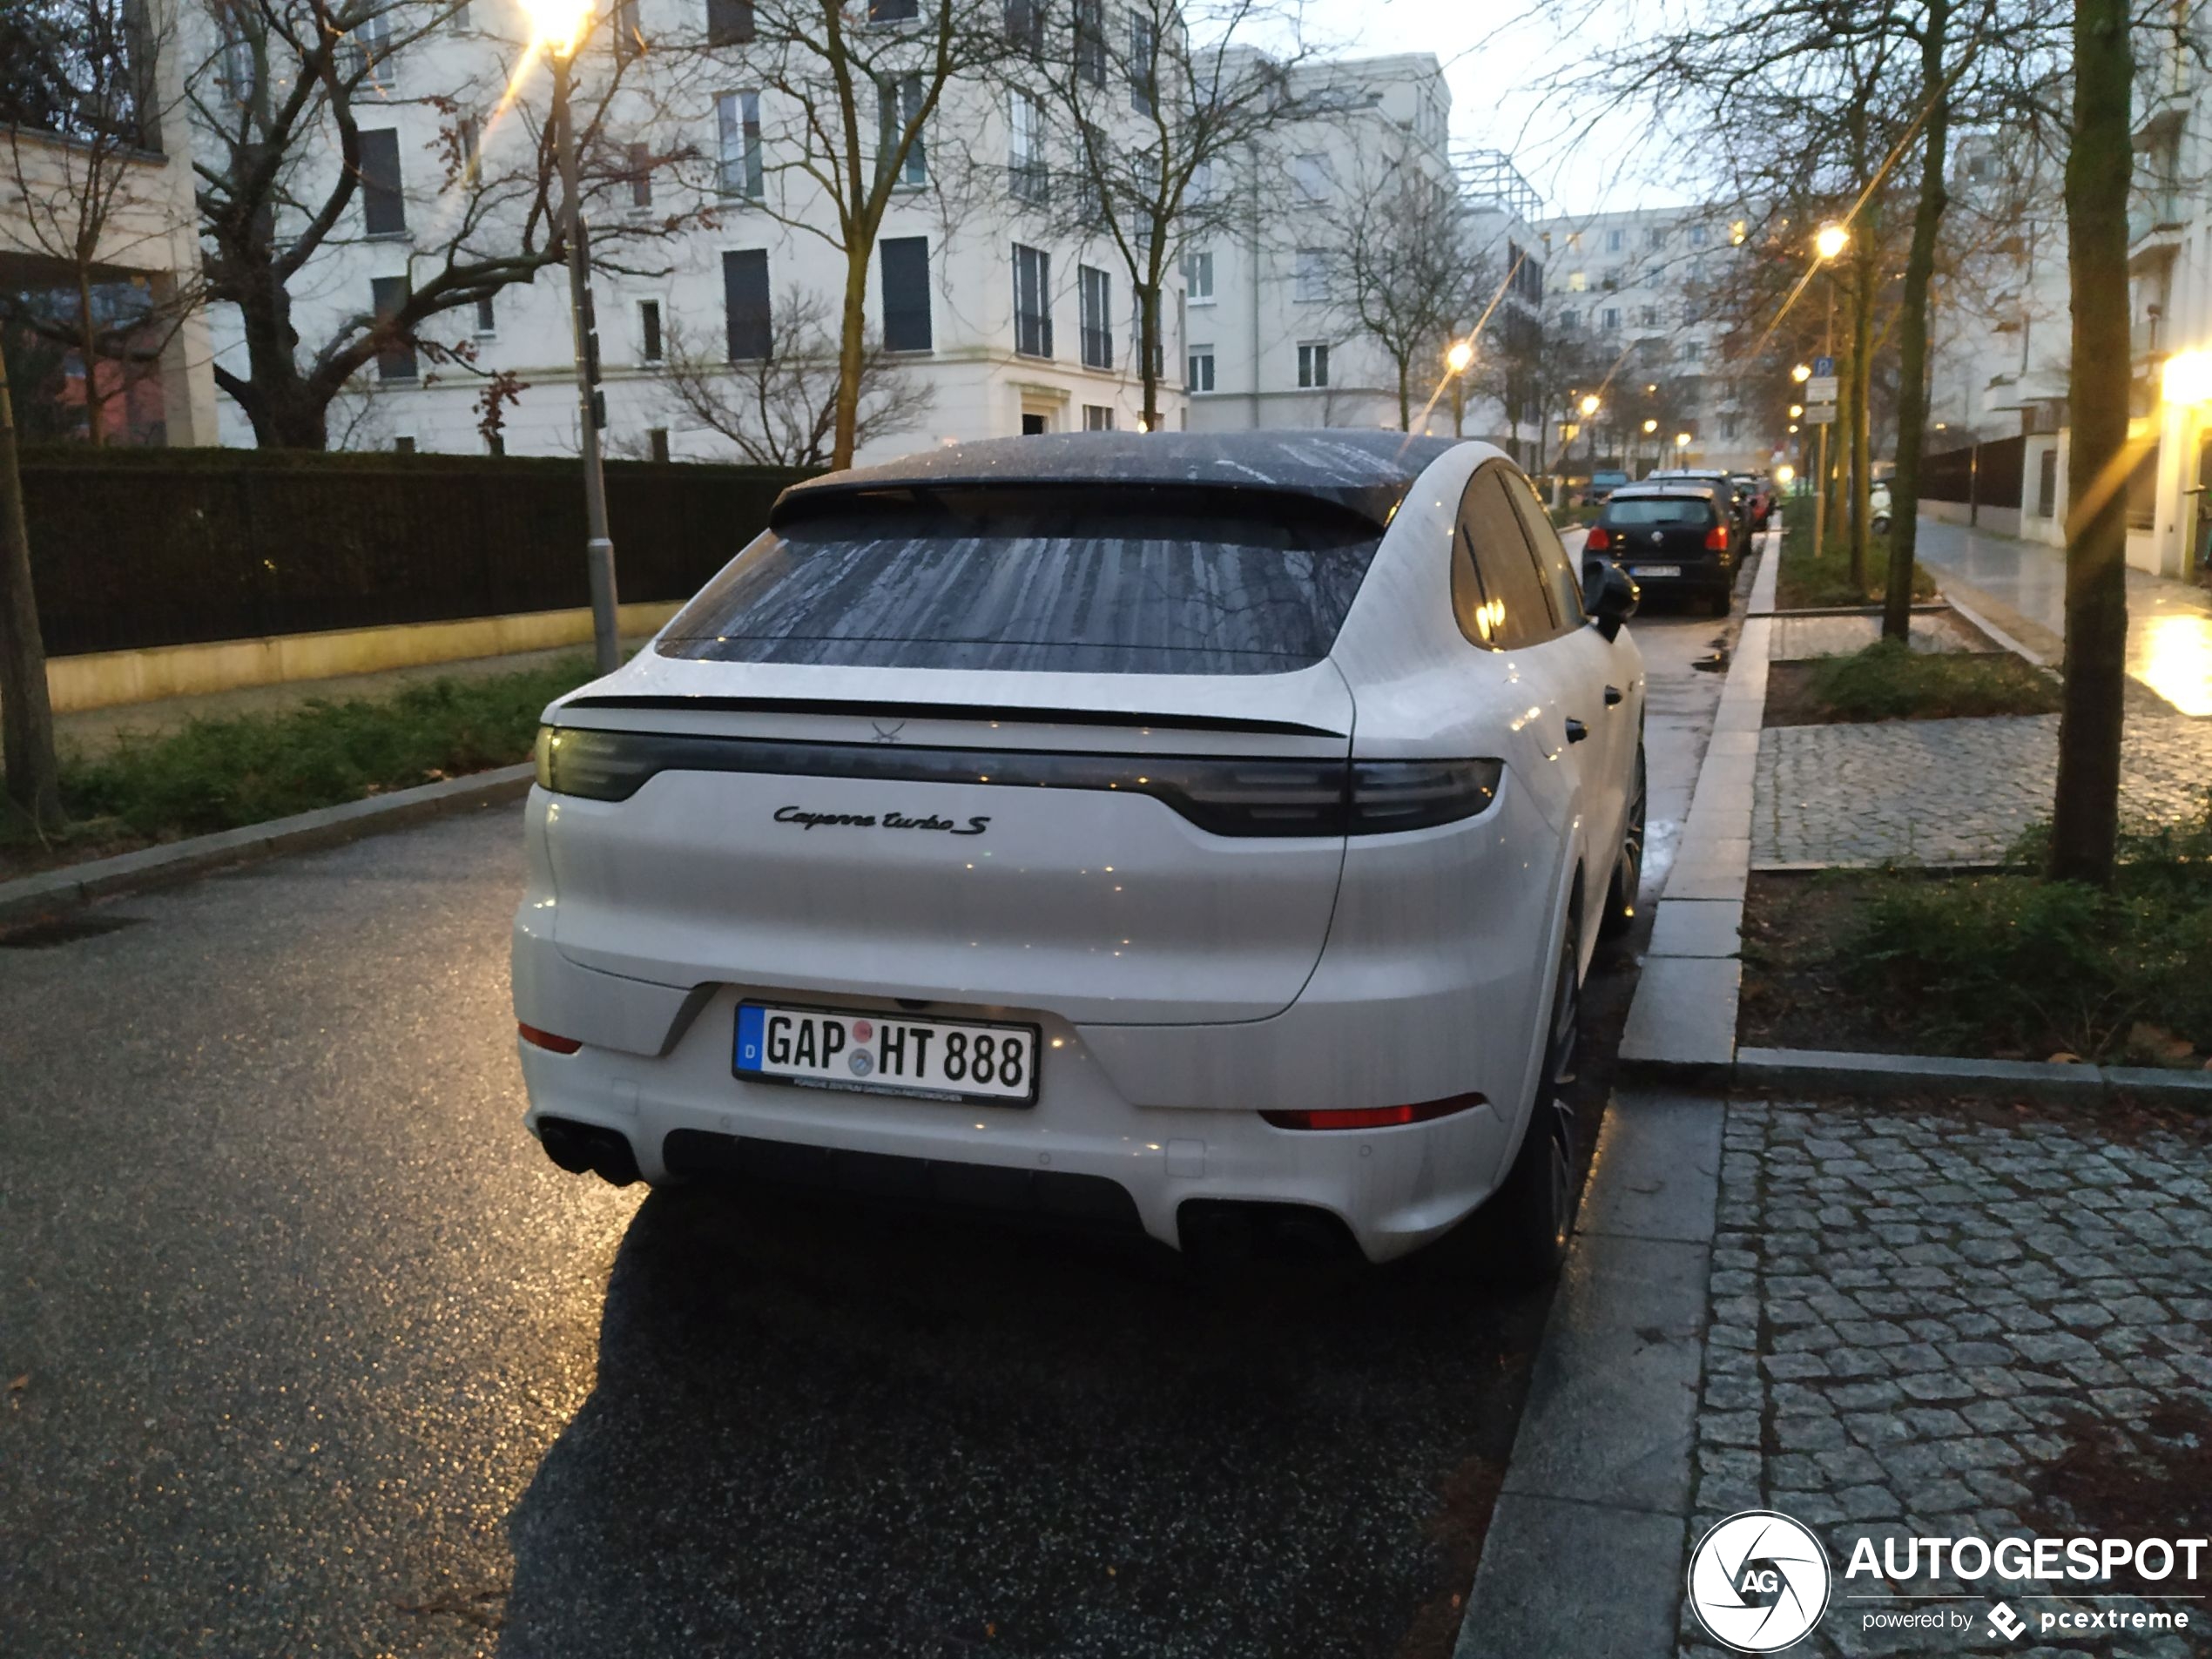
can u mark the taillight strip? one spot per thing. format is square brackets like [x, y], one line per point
[1376, 1116]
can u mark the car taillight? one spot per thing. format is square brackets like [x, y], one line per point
[538, 1039]
[1716, 539]
[1597, 541]
[1389, 795]
[1376, 1116]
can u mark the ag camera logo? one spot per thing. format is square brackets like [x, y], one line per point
[1758, 1581]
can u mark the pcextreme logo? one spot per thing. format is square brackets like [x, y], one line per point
[1758, 1581]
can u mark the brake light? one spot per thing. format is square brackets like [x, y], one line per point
[1376, 1116]
[1716, 539]
[1597, 541]
[538, 1039]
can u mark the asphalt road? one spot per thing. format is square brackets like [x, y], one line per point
[306, 1349]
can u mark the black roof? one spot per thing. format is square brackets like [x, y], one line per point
[1366, 472]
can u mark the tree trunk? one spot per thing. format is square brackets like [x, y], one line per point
[88, 354]
[1856, 410]
[285, 411]
[1148, 353]
[1405, 397]
[26, 716]
[1912, 328]
[852, 340]
[2084, 817]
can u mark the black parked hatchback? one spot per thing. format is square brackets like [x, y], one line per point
[1671, 537]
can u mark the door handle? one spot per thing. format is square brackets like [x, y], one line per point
[1612, 697]
[1576, 730]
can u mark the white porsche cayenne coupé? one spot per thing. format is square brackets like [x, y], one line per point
[1182, 834]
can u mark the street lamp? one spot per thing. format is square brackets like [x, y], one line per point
[1650, 427]
[1459, 357]
[1802, 372]
[1682, 440]
[559, 26]
[1588, 405]
[1831, 240]
[1796, 410]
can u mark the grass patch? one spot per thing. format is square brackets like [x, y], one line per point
[218, 774]
[1889, 681]
[1812, 580]
[2003, 964]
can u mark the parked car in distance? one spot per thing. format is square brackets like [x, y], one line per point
[1758, 496]
[1181, 835]
[1672, 537]
[1735, 498]
[1878, 507]
[1602, 484]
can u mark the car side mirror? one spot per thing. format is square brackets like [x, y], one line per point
[1609, 594]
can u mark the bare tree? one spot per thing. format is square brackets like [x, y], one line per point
[1400, 274]
[779, 409]
[81, 102]
[280, 96]
[33, 779]
[1171, 111]
[851, 110]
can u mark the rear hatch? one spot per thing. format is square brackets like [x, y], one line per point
[1660, 529]
[1075, 751]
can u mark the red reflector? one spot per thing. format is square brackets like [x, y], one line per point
[1375, 1116]
[1597, 541]
[531, 1035]
[1717, 538]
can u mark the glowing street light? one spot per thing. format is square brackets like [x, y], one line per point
[559, 26]
[1784, 474]
[1588, 405]
[1460, 357]
[1802, 372]
[1682, 440]
[1650, 427]
[2186, 378]
[1796, 409]
[1831, 240]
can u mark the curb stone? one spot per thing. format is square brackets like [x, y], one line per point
[57, 893]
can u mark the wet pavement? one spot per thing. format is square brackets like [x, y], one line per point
[2170, 623]
[306, 1348]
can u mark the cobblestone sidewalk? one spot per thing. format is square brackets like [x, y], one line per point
[1949, 792]
[1915, 1317]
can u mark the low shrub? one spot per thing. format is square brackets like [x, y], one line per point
[1891, 681]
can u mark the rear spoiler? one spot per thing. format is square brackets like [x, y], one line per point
[1026, 715]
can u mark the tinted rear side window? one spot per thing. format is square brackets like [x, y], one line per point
[1119, 581]
[1682, 510]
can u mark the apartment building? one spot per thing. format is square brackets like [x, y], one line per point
[1631, 285]
[984, 301]
[1277, 337]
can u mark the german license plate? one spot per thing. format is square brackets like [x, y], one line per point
[1655, 569]
[887, 1053]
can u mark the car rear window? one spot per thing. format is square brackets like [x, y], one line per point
[1661, 509]
[1112, 580]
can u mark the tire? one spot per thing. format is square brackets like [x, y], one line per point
[1723, 601]
[1527, 1221]
[1627, 867]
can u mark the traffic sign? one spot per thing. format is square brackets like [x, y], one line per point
[1823, 367]
[1821, 388]
[1820, 414]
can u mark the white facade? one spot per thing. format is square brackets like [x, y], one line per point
[1630, 284]
[980, 384]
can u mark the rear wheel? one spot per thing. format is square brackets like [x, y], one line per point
[1723, 601]
[1627, 867]
[1525, 1223]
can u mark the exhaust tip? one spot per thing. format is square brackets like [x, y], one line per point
[579, 1148]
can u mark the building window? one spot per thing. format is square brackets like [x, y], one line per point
[1312, 280]
[892, 10]
[656, 442]
[1729, 425]
[1647, 317]
[1698, 234]
[649, 339]
[729, 23]
[1197, 278]
[1609, 319]
[458, 20]
[395, 358]
[1615, 240]
[1312, 364]
[1658, 236]
[1025, 25]
[1028, 176]
[487, 321]
[1570, 318]
[1097, 418]
[472, 146]
[1090, 41]
[737, 115]
[898, 112]
[1199, 376]
[905, 293]
[371, 53]
[1095, 292]
[1310, 174]
[403, 446]
[383, 208]
[745, 299]
[629, 38]
[640, 169]
[1032, 301]
[1578, 281]
[1693, 351]
[1143, 61]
